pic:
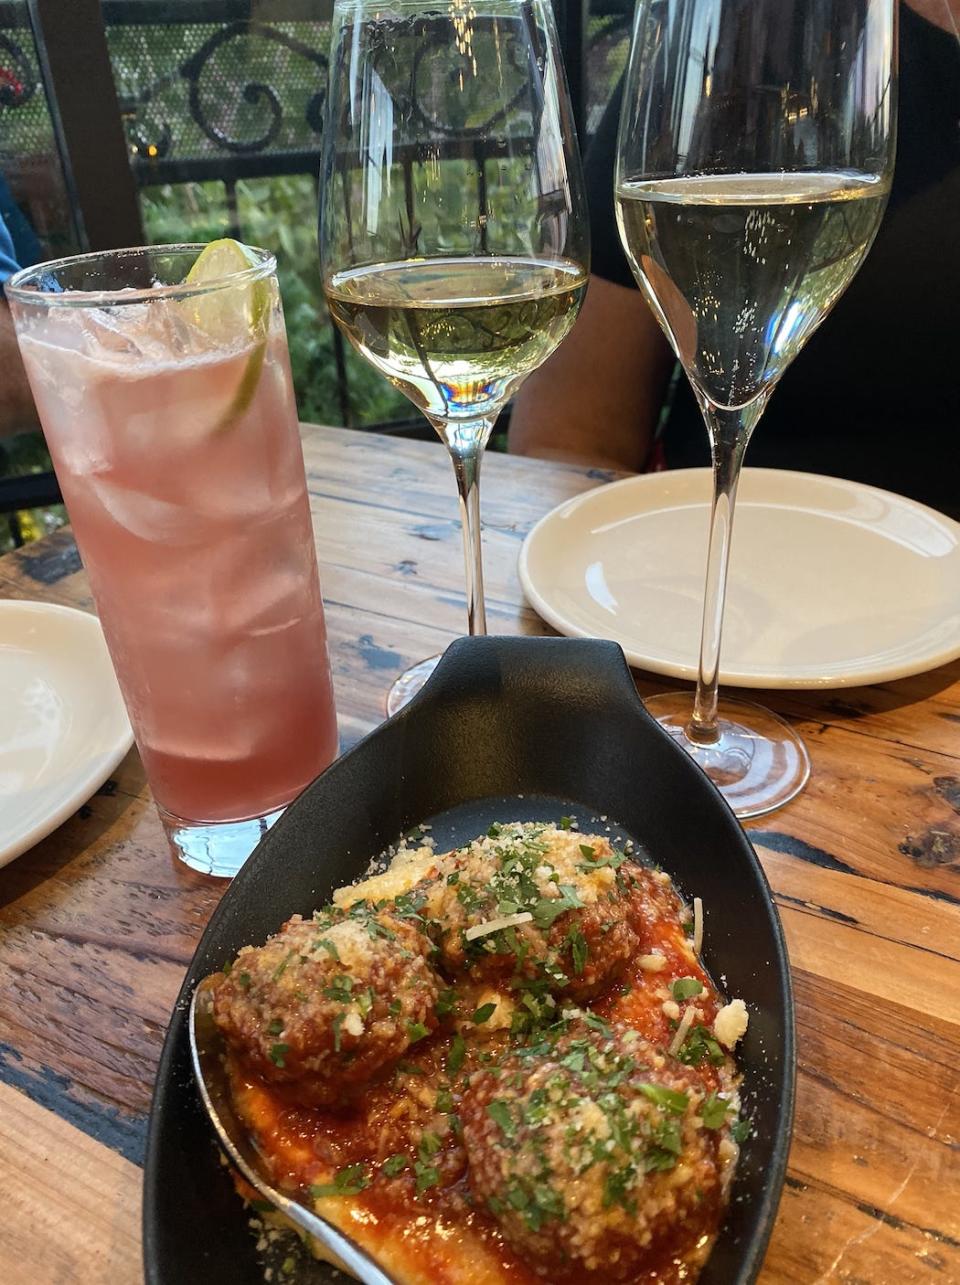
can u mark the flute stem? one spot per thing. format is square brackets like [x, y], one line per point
[466, 442]
[730, 431]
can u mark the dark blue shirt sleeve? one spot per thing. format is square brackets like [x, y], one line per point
[8, 262]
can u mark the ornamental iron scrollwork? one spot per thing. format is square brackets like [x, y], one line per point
[158, 143]
[254, 92]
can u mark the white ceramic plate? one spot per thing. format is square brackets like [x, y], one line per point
[832, 584]
[63, 726]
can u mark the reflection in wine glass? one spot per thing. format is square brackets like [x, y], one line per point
[754, 162]
[453, 233]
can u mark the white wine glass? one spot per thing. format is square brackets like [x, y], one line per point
[454, 244]
[754, 161]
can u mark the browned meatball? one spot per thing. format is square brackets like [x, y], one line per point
[329, 1003]
[591, 1147]
[531, 902]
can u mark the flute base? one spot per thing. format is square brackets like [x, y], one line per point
[409, 683]
[758, 762]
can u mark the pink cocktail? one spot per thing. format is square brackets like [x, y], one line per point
[170, 415]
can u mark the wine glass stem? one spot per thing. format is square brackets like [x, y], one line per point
[466, 463]
[729, 434]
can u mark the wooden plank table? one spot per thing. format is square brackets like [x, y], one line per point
[97, 923]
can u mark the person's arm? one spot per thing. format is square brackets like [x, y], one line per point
[17, 410]
[944, 14]
[597, 399]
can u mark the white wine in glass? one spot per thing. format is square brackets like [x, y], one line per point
[754, 163]
[453, 232]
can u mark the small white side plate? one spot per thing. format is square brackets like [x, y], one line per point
[63, 725]
[832, 584]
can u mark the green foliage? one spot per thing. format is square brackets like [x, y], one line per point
[280, 214]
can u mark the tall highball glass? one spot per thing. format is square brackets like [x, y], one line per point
[453, 229]
[168, 408]
[754, 162]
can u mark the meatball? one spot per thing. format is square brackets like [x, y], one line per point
[530, 902]
[590, 1147]
[329, 1003]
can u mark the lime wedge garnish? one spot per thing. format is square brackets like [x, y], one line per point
[232, 315]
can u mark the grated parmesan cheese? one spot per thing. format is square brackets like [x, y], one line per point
[697, 925]
[353, 1023]
[494, 925]
[652, 963]
[680, 1034]
[730, 1023]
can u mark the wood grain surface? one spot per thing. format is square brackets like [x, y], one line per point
[97, 923]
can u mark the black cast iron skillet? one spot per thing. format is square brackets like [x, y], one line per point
[507, 729]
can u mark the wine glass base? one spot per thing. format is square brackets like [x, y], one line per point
[758, 763]
[409, 683]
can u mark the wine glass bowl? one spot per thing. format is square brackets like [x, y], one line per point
[754, 161]
[453, 233]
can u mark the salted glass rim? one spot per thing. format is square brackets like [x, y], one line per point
[25, 286]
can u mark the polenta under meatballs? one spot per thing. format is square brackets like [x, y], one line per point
[502, 1064]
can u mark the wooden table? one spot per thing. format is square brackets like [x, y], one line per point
[97, 923]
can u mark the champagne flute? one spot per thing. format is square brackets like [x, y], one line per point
[453, 230]
[753, 166]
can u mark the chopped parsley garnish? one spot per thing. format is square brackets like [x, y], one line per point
[427, 1176]
[686, 987]
[375, 929]
[410, 1068]
[699, 1046]
[282, 966]
[587, 851]
[596, 1023]
[395, 1164]
[277, 1052]
[740, 1130]
[395, 1007]
[430, 1144]
[499, 1113]
[566, 823]
[579, 950]
[615, 1188]
[666, 1099]
[340, 989]
[666, 1146]
[714, 1111]
[323, 943]
[458, 1051]
[336, 1024]
[547, 909]
[495, 831]
[275, 1027]
[417, 1031]
[445, 1101]
[446, 1002]
[483, 1014]
[244, 980]
[346, 1182]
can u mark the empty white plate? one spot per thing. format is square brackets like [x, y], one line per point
[63, 726]
[831, 584]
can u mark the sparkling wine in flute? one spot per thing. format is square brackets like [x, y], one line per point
[457, 335]
[741, 268]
